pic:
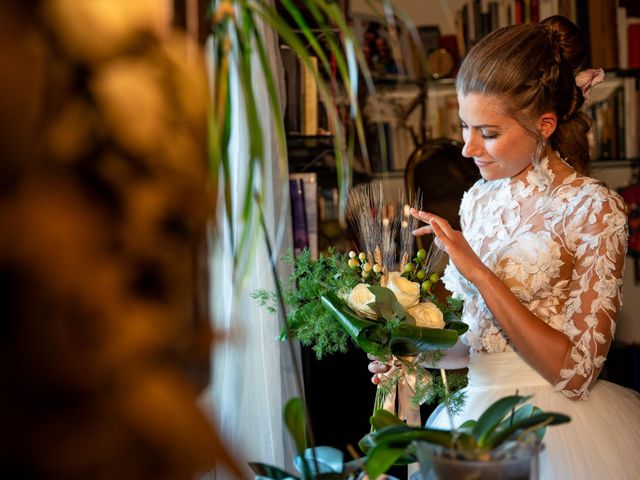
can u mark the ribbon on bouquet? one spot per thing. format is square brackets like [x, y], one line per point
[402, 383]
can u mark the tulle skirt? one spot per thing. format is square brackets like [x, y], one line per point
[602, 441]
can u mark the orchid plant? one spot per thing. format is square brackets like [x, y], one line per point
[506, 425]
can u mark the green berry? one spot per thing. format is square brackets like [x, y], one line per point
[421, 255]
[377, 268]
[408, 267]
[353, 263]
[362, 256]
[434, 277]
[367, 267]
[352, 254]
[365, 274]
[426, 286]
[420, 275]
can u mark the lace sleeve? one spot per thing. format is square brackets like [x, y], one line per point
[599, 238]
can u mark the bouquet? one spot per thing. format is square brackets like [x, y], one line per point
[381, 298]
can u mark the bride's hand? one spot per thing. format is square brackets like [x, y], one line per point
[378, 367]
[452, 242]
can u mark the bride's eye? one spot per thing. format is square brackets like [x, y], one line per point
[489, 135]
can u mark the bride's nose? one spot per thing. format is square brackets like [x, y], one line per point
[472, 144]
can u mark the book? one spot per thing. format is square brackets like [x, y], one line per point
[298, 216]
[603, 105]
[631, 117]
[293, 88]
[310, 193]
[603, 33]
[633, 44]
[309, 99]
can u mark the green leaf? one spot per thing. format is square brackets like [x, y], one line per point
[459, 327]
[294, 419]
[383, 418]
[467, 427]
[384, 303]
[366, 333]
[381, 459]
[269, 471]
[329, 460]
[411, 339]
[492, 417]
[398, 309]
[384, 296]
[542, 419]
[403, 435]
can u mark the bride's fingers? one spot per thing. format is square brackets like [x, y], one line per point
[422, 230]
[378, 367]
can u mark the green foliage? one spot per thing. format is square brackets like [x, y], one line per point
[499, 430]
[319, 463]
[308, 319]
[452, 393]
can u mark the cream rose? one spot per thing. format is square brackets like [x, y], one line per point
[406, 291]
[359, 298]
[427, 314]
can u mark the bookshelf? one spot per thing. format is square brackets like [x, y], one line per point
[405, 111]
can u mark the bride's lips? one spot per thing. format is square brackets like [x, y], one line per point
[481, 163]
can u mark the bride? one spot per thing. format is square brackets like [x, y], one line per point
[540, 258]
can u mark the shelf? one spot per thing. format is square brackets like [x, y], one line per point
[617, 163]
[627, 72]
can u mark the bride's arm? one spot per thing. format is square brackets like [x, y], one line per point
[569, 361]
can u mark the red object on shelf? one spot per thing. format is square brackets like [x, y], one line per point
[633, 34]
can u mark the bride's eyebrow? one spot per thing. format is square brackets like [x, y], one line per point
[480, 126]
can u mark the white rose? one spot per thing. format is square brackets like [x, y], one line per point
[406, 291]
[359, 298]
[427, 314]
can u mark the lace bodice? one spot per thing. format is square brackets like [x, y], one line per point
[558, 241]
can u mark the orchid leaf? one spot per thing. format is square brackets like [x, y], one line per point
[383, 418]
[381, 458]
[492, 417]
[265, 471]
[541, 419]
[294, 419]
[329, 460]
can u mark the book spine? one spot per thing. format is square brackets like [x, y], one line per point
[632, 136]
[633, 45]
[291, 66]
[310, 187]
[310, 99]
[298, 216]
[620, 124]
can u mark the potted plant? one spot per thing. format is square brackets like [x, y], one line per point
[503, 442]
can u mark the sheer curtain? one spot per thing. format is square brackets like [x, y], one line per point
[252, 376]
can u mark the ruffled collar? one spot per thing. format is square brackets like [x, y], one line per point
[539, 178]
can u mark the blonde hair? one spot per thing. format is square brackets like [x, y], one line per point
[530, 69]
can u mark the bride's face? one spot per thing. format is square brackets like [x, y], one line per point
[498, 144]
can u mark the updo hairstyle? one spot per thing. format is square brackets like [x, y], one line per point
[530, 68]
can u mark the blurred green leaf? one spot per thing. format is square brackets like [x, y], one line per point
[493, 415]
[295, 421]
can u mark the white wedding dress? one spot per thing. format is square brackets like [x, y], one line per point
[557, 240]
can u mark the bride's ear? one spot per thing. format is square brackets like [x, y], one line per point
[547, 123]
